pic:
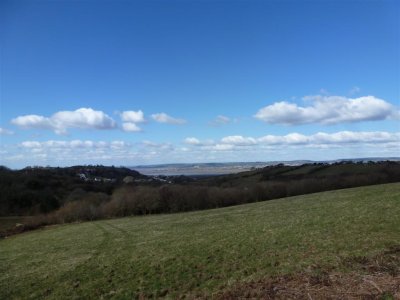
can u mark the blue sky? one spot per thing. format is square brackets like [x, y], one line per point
[143, 82]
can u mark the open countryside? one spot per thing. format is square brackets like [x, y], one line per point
[225, 150]
[206, 254]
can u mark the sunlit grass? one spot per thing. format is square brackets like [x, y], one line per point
[198, 252]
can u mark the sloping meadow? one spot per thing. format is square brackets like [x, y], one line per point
[209, 253]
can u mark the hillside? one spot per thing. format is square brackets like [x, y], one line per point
[221, 252]
[361, 172]
[78, 193]
[34, 190]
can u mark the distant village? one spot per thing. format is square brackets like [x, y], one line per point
[127, 179]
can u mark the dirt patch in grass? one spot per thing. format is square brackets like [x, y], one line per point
[377, 277]
[330, 286]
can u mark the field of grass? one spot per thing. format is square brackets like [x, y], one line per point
[199, 253]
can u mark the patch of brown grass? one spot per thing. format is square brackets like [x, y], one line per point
[377, 277]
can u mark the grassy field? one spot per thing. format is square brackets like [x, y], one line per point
[200, 253]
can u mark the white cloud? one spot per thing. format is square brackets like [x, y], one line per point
[132, 116]
[296, 139]
[317, 146]
[32, 121]
[78, 144]
[74, 144]
[149, 144]
[164, 118]
[271, 139]
[341, 137]
[82, 118]
[346, 137]
[238, 140]
[289, 139]
[4, 131]
[196, 142]
[70, 152]
[130, 119]
[327, 110]
[157, 147]
[320, 139]
[192, 141]
[85, 118]
[222, 147]
[130, 127]
[118, 145]
[31, 144]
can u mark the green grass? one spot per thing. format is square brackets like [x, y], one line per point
[199, 252]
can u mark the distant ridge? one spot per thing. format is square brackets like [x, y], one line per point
[217, 168]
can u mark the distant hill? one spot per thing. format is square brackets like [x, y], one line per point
[191, 169]
[336, 173]
[42, 189]
[79, 193]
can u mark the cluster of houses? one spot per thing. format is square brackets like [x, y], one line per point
[127, 179]
[85, 177]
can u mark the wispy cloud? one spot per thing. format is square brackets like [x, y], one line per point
[354, 90]
[296, 139]
[74, 144]
[130, 127]
[328, 110]
[196, 142]
[238, 140]
[340, 138]
[220, 120]
[4, 131]
[157, 146]
[164, 118]
[192, 141]
[68, 152]
[342, 144]
[60, 122]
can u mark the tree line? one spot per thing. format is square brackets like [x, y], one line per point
[119, 200]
